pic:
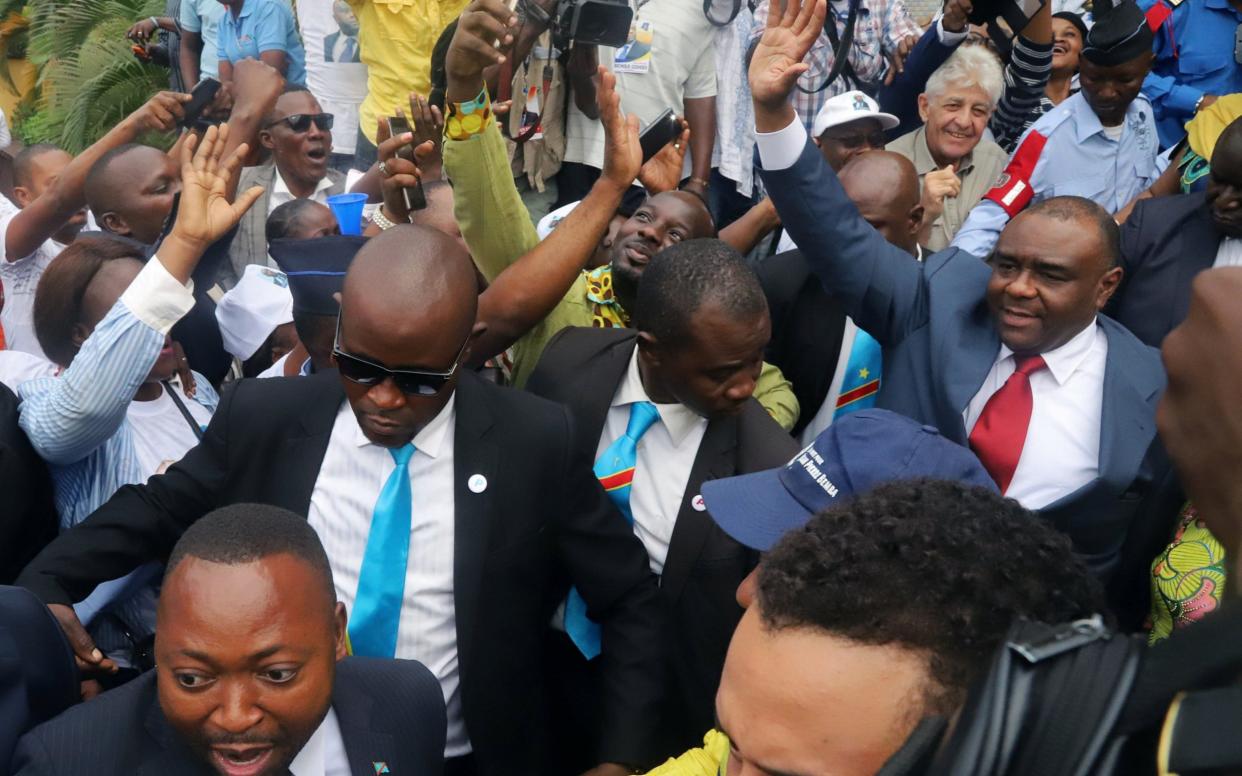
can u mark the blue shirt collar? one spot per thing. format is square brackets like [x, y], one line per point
[1087, 124]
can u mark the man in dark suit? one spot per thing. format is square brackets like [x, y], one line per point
[29, 518]
[1166, 241]
[1009, 356]
[252, 674]
[810, 329]
[454, 512]
[342, 45]
[701, 324]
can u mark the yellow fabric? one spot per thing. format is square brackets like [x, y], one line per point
[395, 38]
[1204, 129]
[497, 228]
[1187, 579]
[711, 760]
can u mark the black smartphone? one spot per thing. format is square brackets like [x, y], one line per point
[659, 133]
[415, 199]
[200, 97]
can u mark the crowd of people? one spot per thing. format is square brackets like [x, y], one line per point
[404, 408]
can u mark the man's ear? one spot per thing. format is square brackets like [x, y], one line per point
[265, 139]
[1108, 285]
[649, 348]
[339, 620]
[23, 196]
[112, 222]
[80, 332]
[923, 105]
[916, 218]
[479, 329]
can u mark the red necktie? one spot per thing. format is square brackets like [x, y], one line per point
[1000, 432]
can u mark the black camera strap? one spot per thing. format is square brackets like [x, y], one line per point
[737, 8]
[184, 410]
[840, 48]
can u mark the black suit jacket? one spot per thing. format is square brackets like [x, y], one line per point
[389, 711]
[807, 325]
[1165, 242]
[28, 518]
[581, 368]
[542, 521]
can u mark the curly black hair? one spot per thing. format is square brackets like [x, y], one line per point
[932, 566]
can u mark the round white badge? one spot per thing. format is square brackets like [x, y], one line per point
[698, 504]
[477, 483]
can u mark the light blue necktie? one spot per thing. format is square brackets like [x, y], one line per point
[862, 376]
[381, 583]
[615, 470]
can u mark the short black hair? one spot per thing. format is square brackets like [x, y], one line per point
[270, 116]
[245, 533]
[932, 566]
[284, 218]
[25, 158]
[1070, 208]
[62, 289]
[683, 277]
[101, 192]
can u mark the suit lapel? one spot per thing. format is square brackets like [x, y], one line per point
[589, 391]
[170, 755]
[303, 452]
[965, 361]
[475, 455]
[714, 461]
[1128, 416]
[365, 745]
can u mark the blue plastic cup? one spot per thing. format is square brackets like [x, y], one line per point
[348, 211]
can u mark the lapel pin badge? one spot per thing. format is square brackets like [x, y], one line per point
[380, 767]
[477, 483]
[698, 504]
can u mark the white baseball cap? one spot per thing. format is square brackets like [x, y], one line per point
[251, 310]
[847, 107]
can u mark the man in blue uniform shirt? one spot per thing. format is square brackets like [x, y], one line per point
[1198, 51]
[1100, 144]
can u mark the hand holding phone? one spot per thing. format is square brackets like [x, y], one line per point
[415, 199]
[659, 133]
[201, 96]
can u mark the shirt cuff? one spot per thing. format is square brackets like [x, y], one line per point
[1183, 99]
[156, 298]
[780, 149]
[947, 38]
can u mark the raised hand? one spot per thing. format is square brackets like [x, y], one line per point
[397, 173]
[662, 172]
[777, 61]
[160, 113]
[957, 15]
[623, 154]
[205, 213]
[937, 185]
[484, 30]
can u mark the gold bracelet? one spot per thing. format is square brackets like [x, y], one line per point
[382, 221]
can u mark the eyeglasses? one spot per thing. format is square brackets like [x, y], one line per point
[409, 381]
[300, 122]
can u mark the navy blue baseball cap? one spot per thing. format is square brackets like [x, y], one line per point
[855, 454]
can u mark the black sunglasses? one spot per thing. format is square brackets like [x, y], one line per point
[300, 122]
[409, 381]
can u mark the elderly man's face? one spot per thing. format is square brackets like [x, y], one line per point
[955, 122]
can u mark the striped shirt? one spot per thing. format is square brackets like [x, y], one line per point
[1024, 100]
[78, 422]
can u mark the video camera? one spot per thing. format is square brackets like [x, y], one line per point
[593, 22]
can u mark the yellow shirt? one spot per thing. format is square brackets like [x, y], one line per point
[395, 38]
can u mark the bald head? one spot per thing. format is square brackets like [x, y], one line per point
[408, 306]
[1224, 188]
[884, 186]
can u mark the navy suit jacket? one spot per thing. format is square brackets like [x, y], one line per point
[940, 341]
[389, 711]
[1165, 242]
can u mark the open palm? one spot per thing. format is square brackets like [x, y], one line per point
[205, 213]
[777, 62]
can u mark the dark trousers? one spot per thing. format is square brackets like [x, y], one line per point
[460, 766]
[573, 182]
[726, 204]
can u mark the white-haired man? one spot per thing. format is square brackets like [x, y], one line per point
[956, 163]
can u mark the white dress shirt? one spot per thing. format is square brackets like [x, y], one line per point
[324, 753]
[350, 480]
[281, 194]
[1062, 450]
[666, 454]
[1229, 254]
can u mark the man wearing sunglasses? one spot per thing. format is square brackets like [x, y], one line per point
[455, 514]
[298, 134]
